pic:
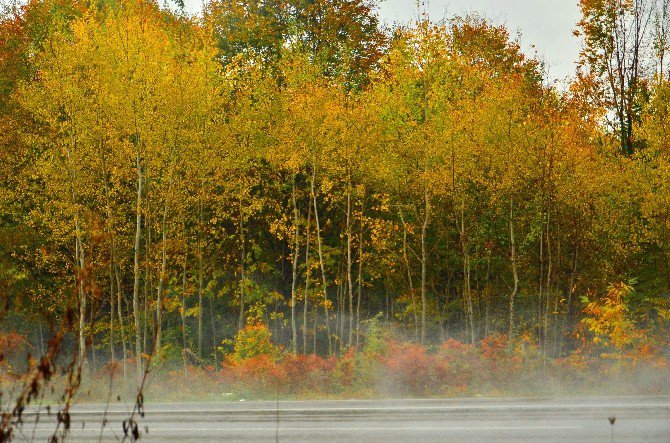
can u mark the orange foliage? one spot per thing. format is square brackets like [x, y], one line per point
[497, 366]
[613, 329]
[493, 347]
[410, 367]
[308, 373]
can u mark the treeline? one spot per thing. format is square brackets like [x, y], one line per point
[167, 179]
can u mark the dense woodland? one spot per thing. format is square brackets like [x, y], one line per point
[296, 168]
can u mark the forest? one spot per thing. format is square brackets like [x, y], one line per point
[291, 195]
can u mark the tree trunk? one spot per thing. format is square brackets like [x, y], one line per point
[350, 286]
[183, 303]
[321, 264]
[243, 256]
[294, 281]
[540, 300]
[119, 307]
[200, 281]
[136, 267]
[360, 277]
[467, 290]
[547, 288]
[91, 337]
[148, 281]
[161, 282]
[571, 289]
[112, 354]
[424, 227]
[112, 253]
[487, 295]
[515, 273]
[409, 276]
[214, 338]
[340, 297]
[307, 276]
[79, 251]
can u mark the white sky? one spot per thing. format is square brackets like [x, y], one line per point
[546, 24]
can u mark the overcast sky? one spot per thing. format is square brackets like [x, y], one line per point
[546, 24]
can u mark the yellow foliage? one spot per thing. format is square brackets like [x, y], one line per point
[611, 325]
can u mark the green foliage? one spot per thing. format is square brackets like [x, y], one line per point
[375, 336]
[253, 341]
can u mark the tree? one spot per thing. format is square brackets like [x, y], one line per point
[617, 34]
[342, 37]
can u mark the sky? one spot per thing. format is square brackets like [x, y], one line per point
[545, 26]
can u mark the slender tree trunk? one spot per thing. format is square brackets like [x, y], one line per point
[112, 252]
[200, 277]
[360, 277]
[409, 276]
[315, 323]
[79, 251]
[321, 264]
[307, 276]
[214, 338]
[487, 295]
[548, 292]
[184, 341]
[477, 303]
[148, 281]
[294, 281]
[467, 268]
[339, 324]
[243, 255]
[91, 337]
[467, 289]
[350, 286]
[515, 273]
[161, 282]
[557, 322]
[119, 307]
[112, 354]
[540, 290]
[136, 266]
[424, 257]
[571, 289]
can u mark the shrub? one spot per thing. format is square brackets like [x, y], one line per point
[307, 374]
[410, 368]
[457, 365]
[255, 340]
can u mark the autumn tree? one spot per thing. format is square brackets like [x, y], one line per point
[617, 36]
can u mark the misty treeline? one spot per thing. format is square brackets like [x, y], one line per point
[169, 180]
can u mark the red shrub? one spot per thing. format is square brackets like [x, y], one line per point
[411, 368]
[455, 345]
[457, 365]
[260, 372]
[494, 346]
[345, 368]
[306, 373]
